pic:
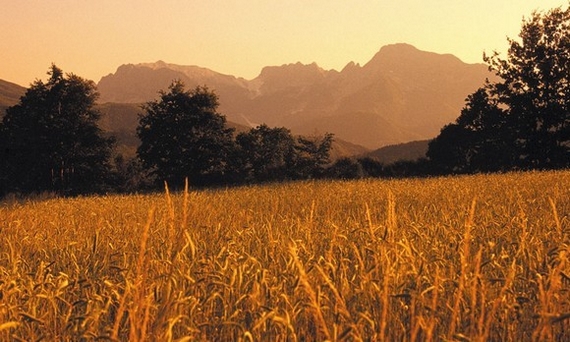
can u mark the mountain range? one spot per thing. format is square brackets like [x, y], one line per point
[402, 94]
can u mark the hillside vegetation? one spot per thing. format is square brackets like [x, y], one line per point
[468, 258]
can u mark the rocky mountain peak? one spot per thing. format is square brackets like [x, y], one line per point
[299, 71]
[405, 56]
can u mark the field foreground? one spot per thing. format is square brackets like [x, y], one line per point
[469, 258]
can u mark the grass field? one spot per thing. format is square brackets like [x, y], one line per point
[468, 258]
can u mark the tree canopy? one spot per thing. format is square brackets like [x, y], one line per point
[312, 156]
[265, 154]
[50, 139]
[183, 136]
[523, 120]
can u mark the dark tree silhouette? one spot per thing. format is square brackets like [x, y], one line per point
[523, 120]
[266, 154]
[371, 167]
[183, 136]
[345, 168]
[477, 142]
[50, 140]
[312, 156]
[535, 88]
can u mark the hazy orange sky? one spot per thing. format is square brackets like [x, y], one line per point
[91, 38]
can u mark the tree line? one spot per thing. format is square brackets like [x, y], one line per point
[182, 136]
[50, 140]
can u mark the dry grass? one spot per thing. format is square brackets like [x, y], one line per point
[469, 258]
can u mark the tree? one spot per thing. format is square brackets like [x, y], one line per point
[345, 168]
[535, 89]
[371, 167]
[129, 176]
[313, 154]
[523, 120]
[182, 136]
[477, 142]
[450, 151]
[51, 141]
[266, 154]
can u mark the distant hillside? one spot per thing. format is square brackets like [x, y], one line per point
[10, 94]
[402, 94]
[341, 148]
[411, 151]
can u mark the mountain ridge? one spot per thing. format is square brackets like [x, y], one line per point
[401, 94]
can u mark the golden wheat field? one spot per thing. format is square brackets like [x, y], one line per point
[468, 258]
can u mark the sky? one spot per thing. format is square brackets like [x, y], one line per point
[92, 38]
